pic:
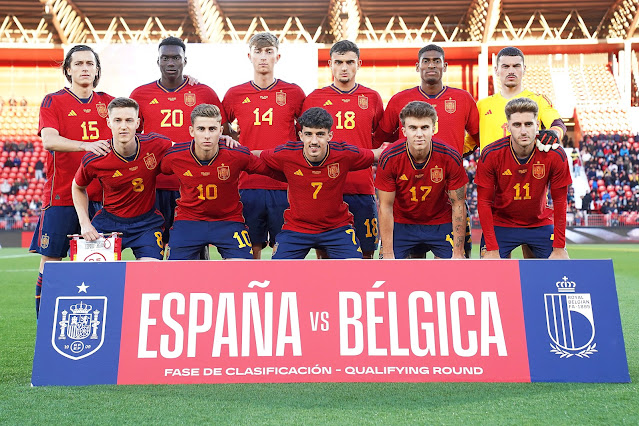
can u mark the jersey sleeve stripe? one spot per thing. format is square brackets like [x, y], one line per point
[88, 158]
[497, 145]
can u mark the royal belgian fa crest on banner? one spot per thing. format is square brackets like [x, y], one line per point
[436, 174]
[362, 101]
[450, 106]
[223, 172]
[101, 108]
[570, 321]
[150, 162]
[333, 170]
[539, 170]
[78, 329]
[280, 98]
[189, 99]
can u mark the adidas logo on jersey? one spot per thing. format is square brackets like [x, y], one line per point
[117, 174]
[488, 112]
[298, 173]
[507, 173]
[328, 102]
[188, 173]
[246, 100]
[154, 102]
[403, 177]
[72, 113]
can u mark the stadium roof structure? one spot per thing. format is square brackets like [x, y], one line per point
[369, 22]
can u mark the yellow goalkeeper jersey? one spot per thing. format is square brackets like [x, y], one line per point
[492, 118]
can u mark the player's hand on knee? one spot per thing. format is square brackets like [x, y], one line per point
[89, 233]
[100, 147]
[547, 140]
[229, 141]
[491, 254]
[559, 253]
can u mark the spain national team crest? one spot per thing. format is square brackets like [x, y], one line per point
[539, 170]
[570, 321]
[78, 329]
[189, 99]
[280, 98]
[333, 170]
[362, 101]
[101, 109]
[223, 172]
[436, 174]
[450, 106]
[150, 162]
[44, 241]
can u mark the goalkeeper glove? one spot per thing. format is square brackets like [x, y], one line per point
[547, 140]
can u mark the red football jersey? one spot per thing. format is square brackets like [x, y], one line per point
[356, 114]
[76, 119]
[456, 115]
[266, 118]
[168, 112]
[128, 183]
[316, 193]
[209, 190]
[521, 188]
[421, 189]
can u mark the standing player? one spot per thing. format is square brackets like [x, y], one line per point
[316, 170]
[457, 112]
[165, 107]
[265, 109]
[356, 111]
[510, 69]
[512, 180]
[209, 209]
[72, 122]
[127, 175]
[422, 191]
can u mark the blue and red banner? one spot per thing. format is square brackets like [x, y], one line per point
[329, 321]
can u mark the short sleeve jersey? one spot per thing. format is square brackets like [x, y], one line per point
[492, 117]
[128, 183]
[421, 189]
[521, 186]
[266, 118]
[209, 189]
[456, 114]
[356, 114]
[76, 119]
[315, 192]
[168, 112]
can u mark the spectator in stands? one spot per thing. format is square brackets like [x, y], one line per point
[5, 187]
[39, 169]
[9, 163]
[586, 201]
[22, 146]
[29, 147]
[23, 102]
[17, 161]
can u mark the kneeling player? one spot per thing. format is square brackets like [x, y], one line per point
[316, 171]
[127, 175]
[416, 180]
[209, 209]
[512, 181]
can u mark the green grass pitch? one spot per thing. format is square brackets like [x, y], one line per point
[336, 403]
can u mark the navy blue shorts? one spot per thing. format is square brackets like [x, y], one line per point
[468, 241]
[188, 237]
[142, 234]
[264, 213]
[340, 243]
[50, 237]
[165, 202]
[539, 239]
[408, 238]
[364, 210]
